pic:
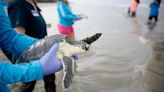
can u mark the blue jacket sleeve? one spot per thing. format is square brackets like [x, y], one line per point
[4, 88]
[9, 39]
[10, 73]
[66, 12]
[15, 43]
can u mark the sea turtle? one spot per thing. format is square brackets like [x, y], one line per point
[67, 48]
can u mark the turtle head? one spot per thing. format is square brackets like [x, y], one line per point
[77, 47]
[82, 45]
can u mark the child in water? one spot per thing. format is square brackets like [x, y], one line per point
[66, 19]
[154, 11]
[133, 8]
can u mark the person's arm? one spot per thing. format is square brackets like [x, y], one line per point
[48, 64]
[23, 72]
[17, 15]
[20, 30]
[62, 10]
[9, 39]
[159, 6]
[16, 43]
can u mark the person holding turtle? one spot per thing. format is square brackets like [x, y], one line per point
[26, 19]
[17, 43]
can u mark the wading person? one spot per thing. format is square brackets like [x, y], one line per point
[133, 8]
[154, 11]
[66, 19]
[26, 19]
[17, 43]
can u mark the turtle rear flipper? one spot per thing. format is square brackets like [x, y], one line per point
[68, 69]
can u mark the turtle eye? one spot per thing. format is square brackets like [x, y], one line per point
[86, 48]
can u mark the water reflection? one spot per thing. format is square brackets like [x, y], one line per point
[155, 66]
[136, 27]
[151, 26]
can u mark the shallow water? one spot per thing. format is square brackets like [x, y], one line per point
[116, 61]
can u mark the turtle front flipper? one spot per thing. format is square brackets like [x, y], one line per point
[68, 69]
[90, 40]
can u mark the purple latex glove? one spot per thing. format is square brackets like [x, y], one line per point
[50, 63]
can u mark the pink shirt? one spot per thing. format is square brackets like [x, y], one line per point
[134, 6]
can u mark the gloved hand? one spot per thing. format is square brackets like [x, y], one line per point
[50, 63]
